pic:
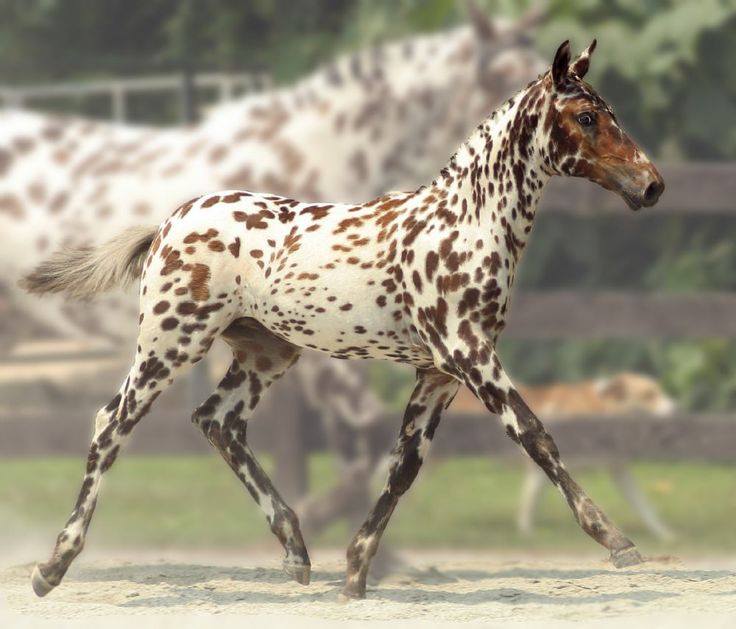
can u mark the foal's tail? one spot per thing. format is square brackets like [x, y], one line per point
[82, 272]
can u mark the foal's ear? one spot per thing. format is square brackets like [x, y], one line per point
[482, 24]
[582, 63]
[561, 63]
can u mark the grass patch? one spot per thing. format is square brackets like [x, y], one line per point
[464, 502]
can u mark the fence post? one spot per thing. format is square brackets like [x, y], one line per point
[226, 88]
[13, 99]
[291, 474]
[188, 105]
[119, 113]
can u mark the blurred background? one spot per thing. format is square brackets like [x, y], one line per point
[601, 292]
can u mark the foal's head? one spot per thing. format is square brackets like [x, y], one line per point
[585, 139]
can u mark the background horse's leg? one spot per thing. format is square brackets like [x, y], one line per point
[638, 501]
[339, 392]
[531, 495]
[342, 500]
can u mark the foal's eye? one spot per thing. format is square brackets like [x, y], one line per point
[586, 119]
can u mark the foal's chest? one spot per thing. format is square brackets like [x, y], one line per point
[461, 282]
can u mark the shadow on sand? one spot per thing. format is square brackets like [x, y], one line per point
[192, 584]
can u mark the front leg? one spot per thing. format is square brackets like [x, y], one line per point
[492, 386]
[432, 394]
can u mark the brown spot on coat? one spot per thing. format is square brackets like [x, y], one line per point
[169, 323]
[58, 202]
[9, 204]
[253, 221]
[199, 282]
[234, 247]
[6, 159]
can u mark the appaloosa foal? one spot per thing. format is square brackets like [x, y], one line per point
[422, 278]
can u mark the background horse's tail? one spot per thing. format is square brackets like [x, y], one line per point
[82, 272]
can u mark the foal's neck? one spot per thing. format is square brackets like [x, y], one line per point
[495, 180]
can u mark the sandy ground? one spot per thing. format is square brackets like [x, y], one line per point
[435, 590]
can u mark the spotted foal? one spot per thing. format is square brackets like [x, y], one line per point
[421, 278]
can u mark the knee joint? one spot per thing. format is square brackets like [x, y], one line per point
[206, 410]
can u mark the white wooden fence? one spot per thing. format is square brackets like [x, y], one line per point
[226, 85]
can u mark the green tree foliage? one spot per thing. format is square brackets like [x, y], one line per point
[61, 39]
[55, 39]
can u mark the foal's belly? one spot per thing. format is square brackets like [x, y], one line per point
[344, 320]
[348, 329]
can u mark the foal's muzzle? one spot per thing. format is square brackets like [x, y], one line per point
[643, 190]
[652, 193]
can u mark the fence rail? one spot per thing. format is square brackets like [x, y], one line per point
[692, 188]
[615, 315]
[687, 437]
[227, 85]
[692, 437]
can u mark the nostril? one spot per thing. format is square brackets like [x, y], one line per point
[653, 191]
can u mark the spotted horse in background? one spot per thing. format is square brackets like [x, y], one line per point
[376, 120]
[421, 278]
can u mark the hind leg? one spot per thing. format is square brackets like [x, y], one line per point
[259, 359]
[162, 354]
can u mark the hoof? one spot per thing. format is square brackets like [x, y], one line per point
[348, 595]
[626, 557]
[40, 585]
[298, 571]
